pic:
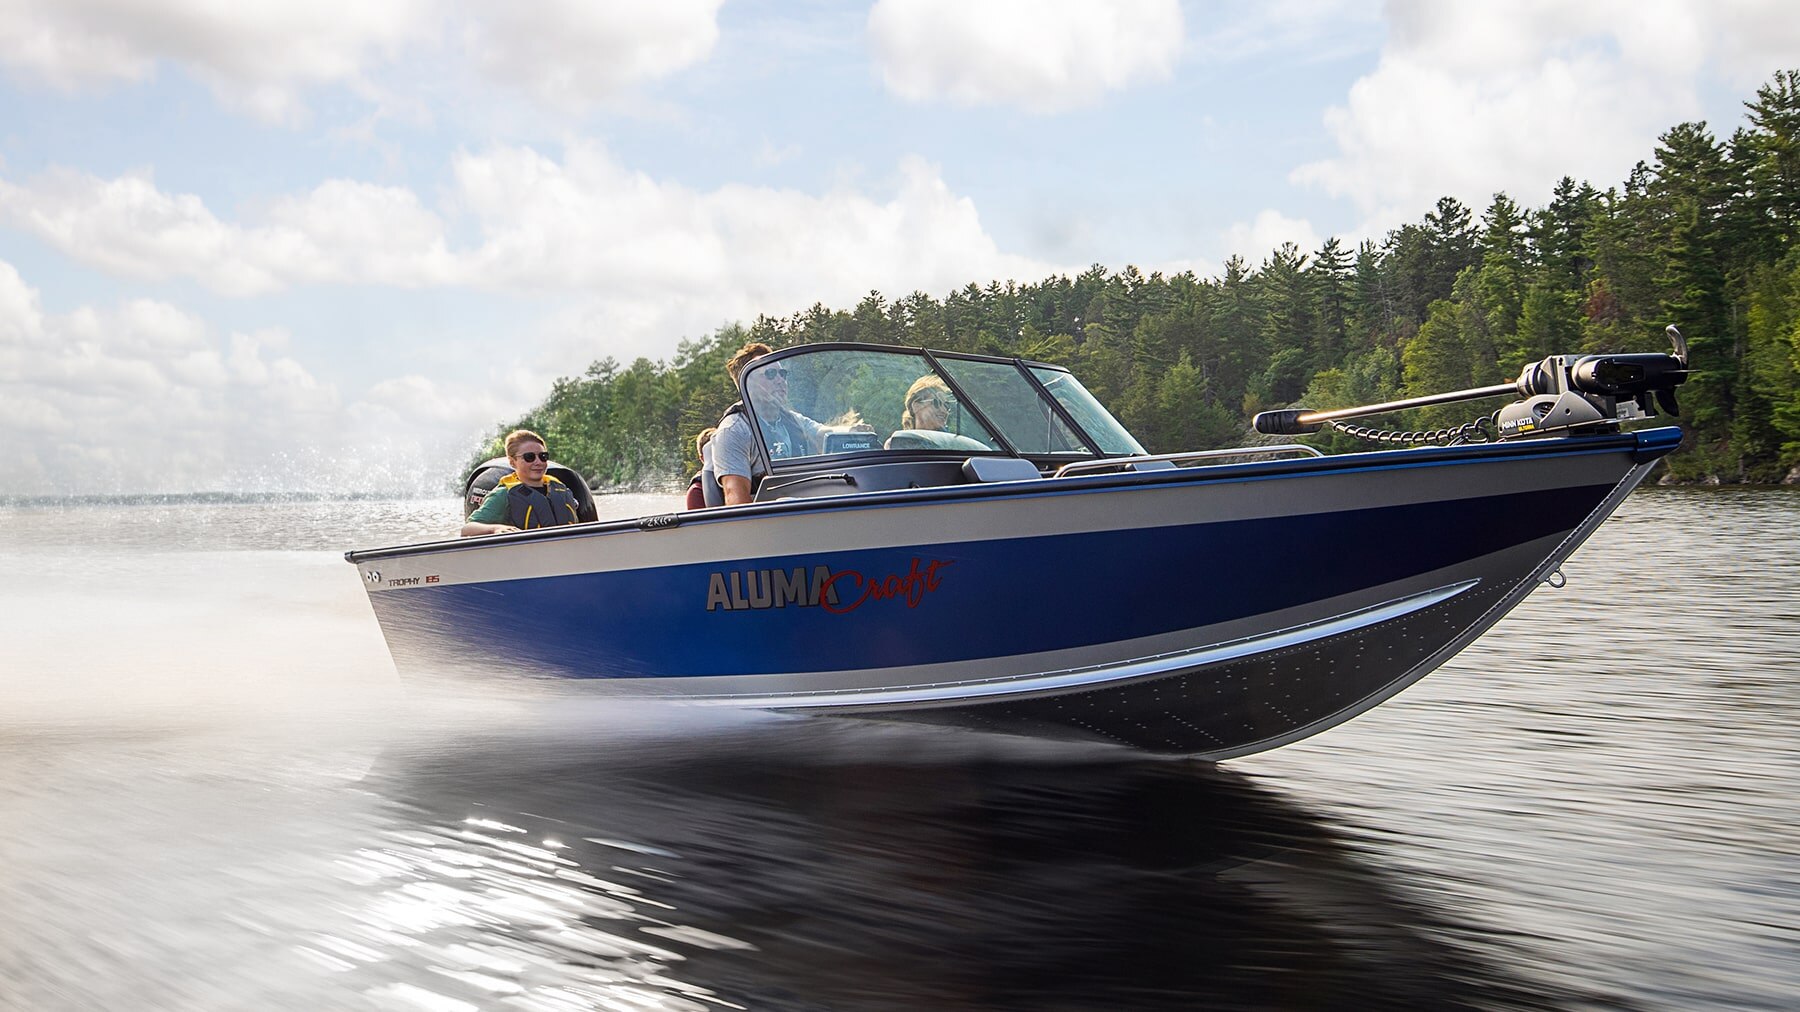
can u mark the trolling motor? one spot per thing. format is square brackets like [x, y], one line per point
[1561, 394]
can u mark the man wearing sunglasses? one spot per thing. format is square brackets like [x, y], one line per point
[528, 498]
[737, 454]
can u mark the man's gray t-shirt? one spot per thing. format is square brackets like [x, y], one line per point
[736, 450]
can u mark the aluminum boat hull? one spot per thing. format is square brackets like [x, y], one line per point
[1206, 611]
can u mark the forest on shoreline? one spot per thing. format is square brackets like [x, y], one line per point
[1701, 235]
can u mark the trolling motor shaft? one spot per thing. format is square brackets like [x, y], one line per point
[1560, 393]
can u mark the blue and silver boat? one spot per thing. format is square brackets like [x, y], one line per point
[1024, 566]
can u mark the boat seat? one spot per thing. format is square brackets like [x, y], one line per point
[1153, 465]
[999, 469]
[931, 439]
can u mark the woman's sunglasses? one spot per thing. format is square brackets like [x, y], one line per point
[532, 458]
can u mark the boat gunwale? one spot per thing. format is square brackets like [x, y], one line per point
[1256, 470]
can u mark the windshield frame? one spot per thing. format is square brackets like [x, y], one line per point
[938, 363]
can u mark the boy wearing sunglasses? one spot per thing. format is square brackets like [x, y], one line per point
[528, 498]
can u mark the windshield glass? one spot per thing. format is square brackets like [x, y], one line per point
[1088, 413]
[853, 400]
[1010, 401]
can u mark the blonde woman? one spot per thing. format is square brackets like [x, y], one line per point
[928, 404]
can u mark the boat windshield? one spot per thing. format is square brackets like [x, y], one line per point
[1088, 412]
[838, 399]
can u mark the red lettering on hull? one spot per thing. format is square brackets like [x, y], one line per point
[910, 587]
[843, 591]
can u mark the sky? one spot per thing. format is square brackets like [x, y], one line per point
[269, 246]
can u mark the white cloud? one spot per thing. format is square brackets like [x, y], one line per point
[261, 56]
[568, 53]
[769, 155]
[1041, 55]
[1751, 39]
[1502, 95]
[1300, 31]
[1255, 239]
[1200, 267]
[583, 225]
[344, 231]
[339, 232]
[256, 55]
[616, 262]
[655, 261]
[588, 222]
[145, 397]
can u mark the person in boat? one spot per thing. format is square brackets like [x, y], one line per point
[529, 497]
[737, 454]
[928, 403]
[925, 419]
[696, 491]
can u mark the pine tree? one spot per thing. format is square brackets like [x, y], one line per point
[1287, 327]
[1453, 243]
[1775, 147]
[1549, 324]
[1688, 193]
[1767, 426]
[1437, 359]
[1500, 281]
[1559, 232]
[1329, 278]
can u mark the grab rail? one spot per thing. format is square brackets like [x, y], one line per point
[1283, 449]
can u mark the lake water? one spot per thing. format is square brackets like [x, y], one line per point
[215, 795]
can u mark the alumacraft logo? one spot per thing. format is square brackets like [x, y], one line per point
[843, 591]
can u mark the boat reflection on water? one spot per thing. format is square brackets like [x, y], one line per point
[766, 872]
